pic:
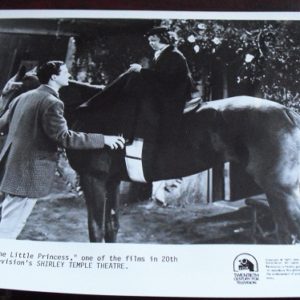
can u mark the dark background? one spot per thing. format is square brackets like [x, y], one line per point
[187, 5]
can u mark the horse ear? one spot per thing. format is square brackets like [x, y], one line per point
[21, 73]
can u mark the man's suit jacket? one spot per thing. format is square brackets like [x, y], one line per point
[37, 127]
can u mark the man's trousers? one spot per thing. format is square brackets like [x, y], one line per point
[14, 213]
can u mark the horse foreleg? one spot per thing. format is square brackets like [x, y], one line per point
[112, 211]
[94, 188]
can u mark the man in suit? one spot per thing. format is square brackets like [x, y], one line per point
[28, 160]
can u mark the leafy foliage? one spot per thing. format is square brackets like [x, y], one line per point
[103, 57]
[262, 55]
[267, 53]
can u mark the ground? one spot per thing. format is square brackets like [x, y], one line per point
[63, 217]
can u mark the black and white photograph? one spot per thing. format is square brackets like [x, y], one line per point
[160, 130]
[175, 131]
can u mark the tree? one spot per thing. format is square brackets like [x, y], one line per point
[261, 55]
[266, 53]
[105, 51]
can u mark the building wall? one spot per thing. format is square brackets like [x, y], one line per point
[28, 49]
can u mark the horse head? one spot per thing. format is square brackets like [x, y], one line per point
[21, 82]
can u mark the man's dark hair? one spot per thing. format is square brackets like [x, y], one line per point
[46, 70]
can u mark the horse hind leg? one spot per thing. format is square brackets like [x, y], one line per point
[275, 167]
[112, 211]
[94, 188]
[284, 199]
[284, 203]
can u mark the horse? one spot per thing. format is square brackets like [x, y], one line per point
[261, 135]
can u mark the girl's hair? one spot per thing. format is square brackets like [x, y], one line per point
[164, 35]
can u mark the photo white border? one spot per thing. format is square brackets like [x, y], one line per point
[200, 270]
[146, 14]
